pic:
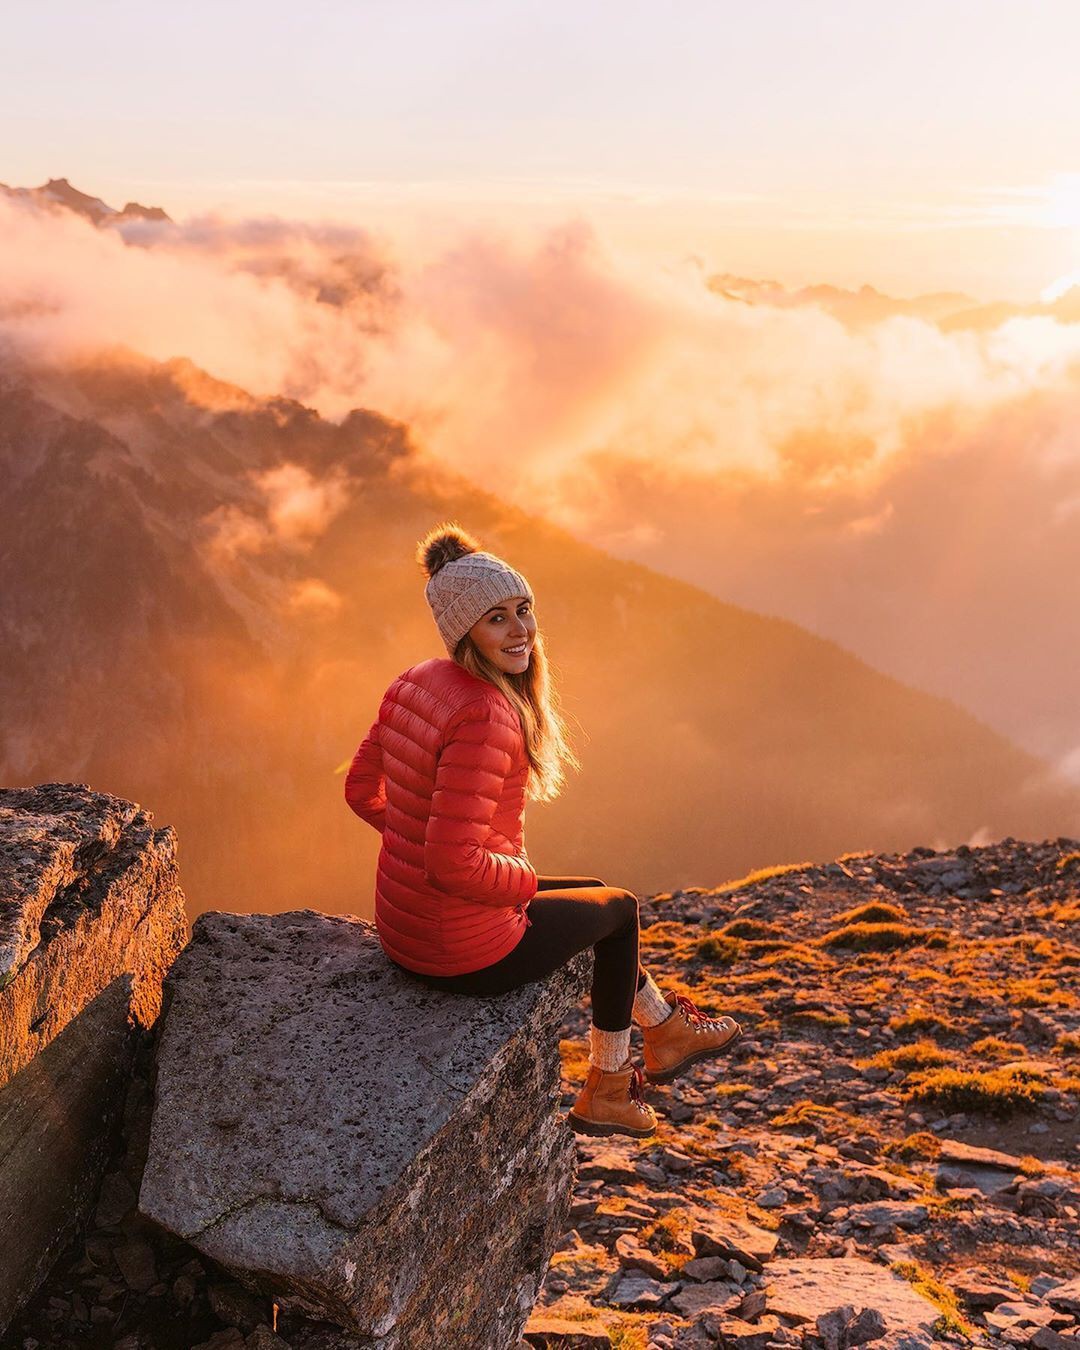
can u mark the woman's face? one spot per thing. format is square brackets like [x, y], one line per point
[507, 625]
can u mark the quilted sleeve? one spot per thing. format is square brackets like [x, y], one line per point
[365, 783]
[469, 776]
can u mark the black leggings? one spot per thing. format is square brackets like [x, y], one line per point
[570, 914]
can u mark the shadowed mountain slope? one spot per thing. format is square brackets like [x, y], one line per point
[205, 594]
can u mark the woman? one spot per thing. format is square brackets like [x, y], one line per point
[443, 774]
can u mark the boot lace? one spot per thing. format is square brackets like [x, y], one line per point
[695, 1018]
[636, 1088]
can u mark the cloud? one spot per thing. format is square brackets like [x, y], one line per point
[313, 598]
[902, 486]
[515, 355]
[296, 509]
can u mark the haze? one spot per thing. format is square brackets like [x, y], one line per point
[777, 300]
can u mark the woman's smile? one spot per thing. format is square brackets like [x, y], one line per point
[506, 634]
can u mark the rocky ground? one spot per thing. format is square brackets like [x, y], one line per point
[890, 1156]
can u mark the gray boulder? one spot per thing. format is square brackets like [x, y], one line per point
[91, 917]
[353, 1145]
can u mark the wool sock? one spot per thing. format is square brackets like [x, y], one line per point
[609, 1050]
[650, 1006]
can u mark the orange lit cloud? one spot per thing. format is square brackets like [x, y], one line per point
[296, 509]
[901, 484]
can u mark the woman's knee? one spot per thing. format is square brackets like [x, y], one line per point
[626, 905]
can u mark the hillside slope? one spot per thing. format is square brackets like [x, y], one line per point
[204, 595]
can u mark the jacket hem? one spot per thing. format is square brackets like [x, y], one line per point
[441, 968]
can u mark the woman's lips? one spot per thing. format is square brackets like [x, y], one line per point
[519, 650]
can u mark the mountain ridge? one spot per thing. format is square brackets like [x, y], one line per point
[226, 591]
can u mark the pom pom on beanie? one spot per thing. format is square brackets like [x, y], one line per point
[464, 580]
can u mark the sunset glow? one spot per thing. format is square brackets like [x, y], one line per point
[780, 303]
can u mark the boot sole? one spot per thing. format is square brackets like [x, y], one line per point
[669, 1075]
[580, 1126]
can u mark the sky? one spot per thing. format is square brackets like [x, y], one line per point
[933, 145]
[498, 225]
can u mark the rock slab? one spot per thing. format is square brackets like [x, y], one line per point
[91, 917]
[808, 1288]
[362, 1149]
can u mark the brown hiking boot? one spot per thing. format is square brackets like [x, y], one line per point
[687, 1036]
[613, 1102]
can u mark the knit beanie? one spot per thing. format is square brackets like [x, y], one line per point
[464, 581]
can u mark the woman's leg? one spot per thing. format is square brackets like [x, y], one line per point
[566, 883]
[566, 921]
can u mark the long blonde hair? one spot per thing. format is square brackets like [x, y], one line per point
[531, 693]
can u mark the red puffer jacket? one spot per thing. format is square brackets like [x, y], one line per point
[442, 774]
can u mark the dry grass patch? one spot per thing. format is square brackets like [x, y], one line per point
[752, 928]
[670, 1233]
[611, 1203]
[575, 1062]
[1068, 1044]
[664, 935]
[927, 975]
[918, 1055]
[993, 1047]
[994, 1092]
[918, 1022]
[1068, 913]
[1025, 942]
[735, 1207]
[882, 937]
[853, 857]
[796, 954]
[764, 947]
[719, 950]
[1032, 1166]
[763, 979]
[630, 1333]
[818, 1118]
[726, 1002]
[922, 1145]
[712, 1001]
[815, 1017]
[1037, 993]
[762, 874]
[924, 1282]
[874, 912]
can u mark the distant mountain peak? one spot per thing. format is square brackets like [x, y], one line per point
[58, 192]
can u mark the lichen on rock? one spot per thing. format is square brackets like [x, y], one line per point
[363, 1149]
